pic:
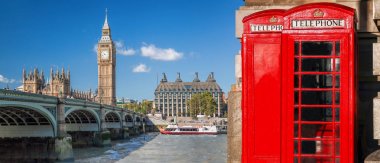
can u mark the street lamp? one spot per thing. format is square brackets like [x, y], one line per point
[100, 96]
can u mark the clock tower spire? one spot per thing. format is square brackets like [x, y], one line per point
[106, 66]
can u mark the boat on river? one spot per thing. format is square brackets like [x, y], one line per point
[189, 130]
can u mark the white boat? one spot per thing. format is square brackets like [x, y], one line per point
[189, 130]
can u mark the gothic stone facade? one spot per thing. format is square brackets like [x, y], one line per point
[57, 85]
[171, 97]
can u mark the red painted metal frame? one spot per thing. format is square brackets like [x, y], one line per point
[289, 55]
[261, 80]
[260, 99]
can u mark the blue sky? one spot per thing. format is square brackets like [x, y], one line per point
[170, 36]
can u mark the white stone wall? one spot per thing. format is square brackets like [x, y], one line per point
[376, 59]
[376, 118]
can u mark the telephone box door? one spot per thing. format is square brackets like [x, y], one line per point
[319, 97]
[319, 67]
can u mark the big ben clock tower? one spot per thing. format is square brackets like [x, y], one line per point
[106, 67]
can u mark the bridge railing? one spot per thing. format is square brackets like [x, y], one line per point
[25, 96]
[80, 102]
[13, 95]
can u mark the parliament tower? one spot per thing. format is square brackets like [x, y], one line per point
[106, 67]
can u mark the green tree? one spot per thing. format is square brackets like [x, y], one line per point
[146, 106]
[201, 103]
[131, 106]
[209, 104]
[194, 105]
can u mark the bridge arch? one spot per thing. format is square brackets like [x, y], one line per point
[128, 118]
[112, 116]
[82, 119]
[138, 119]
[17, 119]
[112, 120]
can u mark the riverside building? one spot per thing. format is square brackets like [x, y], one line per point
[171, 97]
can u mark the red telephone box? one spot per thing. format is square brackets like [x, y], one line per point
[261, 56]
[299, 103]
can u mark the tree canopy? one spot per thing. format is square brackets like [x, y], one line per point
[142, 107]
[201, 104]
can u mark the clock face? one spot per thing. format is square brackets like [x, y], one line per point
[104, 55]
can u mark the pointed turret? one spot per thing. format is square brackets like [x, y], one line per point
[23, 75]
[68, 74]
[35, 74]
[57, 73]
[196, 79]
[105, 26]
[30, 75]
[164, 79]
[106, 31]
[178, 77]
[211, 78]
[63, 73]
[51, 73]
[42, 76]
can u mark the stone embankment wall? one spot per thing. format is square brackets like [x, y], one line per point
[234, 127]
[27, 150]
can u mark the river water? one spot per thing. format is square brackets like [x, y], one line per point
[157, 148]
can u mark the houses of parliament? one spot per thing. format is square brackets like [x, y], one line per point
[58, 83]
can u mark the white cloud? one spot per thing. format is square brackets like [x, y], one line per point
[122, 50]
[95, 48]
[141, 68]
[153, 52]
[6, 80]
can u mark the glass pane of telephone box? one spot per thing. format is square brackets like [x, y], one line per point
[296, 130]
[337, 48]
[295, 147]
[317, 64]
[316, 97]
[317, 147]
[320, 131]
[296, 81]
[296, 60]
[316, 159]
[317, 81]
[337, 64]
[316, 48]
[317, 114]
[296, 48]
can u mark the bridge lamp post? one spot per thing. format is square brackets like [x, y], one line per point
[101, 95]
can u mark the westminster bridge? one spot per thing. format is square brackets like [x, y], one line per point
[58, 124]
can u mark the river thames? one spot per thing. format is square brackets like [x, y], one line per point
[157, 148]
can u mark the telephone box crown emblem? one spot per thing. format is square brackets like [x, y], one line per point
[273, 19]
[318, 13]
